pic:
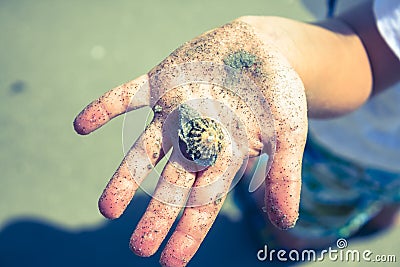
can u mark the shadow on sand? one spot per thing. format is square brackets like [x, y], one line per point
[32, 242]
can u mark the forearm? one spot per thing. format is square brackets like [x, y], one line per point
[337, 59]
[385, 65]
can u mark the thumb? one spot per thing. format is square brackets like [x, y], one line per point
[283, 182]
[283, 185]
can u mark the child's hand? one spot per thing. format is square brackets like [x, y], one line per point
[281, 89]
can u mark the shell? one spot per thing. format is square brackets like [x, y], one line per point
[203, 137]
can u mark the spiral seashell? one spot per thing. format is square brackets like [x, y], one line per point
[202, 137]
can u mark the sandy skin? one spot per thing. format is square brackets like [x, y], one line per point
[236, 44]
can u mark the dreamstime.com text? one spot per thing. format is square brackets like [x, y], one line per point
[338, 254]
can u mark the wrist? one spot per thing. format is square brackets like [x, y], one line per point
[329, 58]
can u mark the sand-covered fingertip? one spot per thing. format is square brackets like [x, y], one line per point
[90, 118]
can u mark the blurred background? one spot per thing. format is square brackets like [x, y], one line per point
[57, 56]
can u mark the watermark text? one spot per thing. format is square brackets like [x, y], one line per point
[340, 253]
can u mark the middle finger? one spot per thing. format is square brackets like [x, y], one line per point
[168, 199]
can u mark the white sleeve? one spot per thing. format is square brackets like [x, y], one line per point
[387, 15]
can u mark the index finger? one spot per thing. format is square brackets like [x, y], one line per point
[197, 220]
[128, 96]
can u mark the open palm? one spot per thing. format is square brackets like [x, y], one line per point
[213, 125]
